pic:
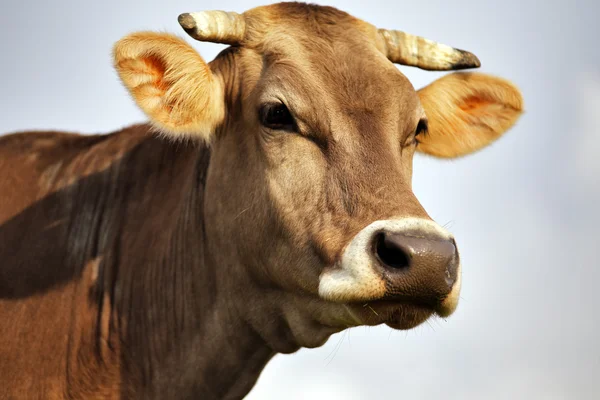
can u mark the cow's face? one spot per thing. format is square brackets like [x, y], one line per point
[313, 132]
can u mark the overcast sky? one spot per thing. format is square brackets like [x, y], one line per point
[524, 212]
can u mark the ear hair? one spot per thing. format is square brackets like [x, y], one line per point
[171, 83]
[466, 112]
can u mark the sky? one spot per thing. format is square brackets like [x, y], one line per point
[524, 211]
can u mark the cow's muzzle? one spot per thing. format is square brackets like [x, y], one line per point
[411, 262]
[418, 265]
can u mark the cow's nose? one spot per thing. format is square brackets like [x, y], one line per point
[418, 264]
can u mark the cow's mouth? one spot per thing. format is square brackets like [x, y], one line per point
[396, 315]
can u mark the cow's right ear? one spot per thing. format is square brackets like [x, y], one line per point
[171, 83]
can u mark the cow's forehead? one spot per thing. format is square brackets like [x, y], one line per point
[293, 30]
[328, 53]
[308, 17]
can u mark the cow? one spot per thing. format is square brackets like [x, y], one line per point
[265, 206]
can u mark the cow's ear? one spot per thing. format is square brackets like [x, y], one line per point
[171, 83]
[466, 112]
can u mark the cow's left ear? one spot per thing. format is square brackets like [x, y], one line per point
[466, 112]
[171, 83]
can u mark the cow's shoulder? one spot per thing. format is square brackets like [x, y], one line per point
[35, 164]
[41, 147]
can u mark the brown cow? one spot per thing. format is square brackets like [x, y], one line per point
[135, 266]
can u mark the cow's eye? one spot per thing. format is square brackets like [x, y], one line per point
[277, 116]
[421, 129]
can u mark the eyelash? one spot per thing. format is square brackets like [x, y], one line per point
[422, 129]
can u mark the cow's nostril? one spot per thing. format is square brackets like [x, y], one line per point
[390, 252]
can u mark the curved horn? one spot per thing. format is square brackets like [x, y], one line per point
[406, 49]
[214, 26]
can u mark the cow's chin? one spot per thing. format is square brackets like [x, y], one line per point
[396, 315]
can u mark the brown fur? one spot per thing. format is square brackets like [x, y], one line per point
[135, 267]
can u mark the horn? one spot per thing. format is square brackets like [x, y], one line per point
[406, 49]
[214, 26]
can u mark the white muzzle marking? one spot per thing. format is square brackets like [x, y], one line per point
[357, 276]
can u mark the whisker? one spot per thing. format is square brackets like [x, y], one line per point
[243, 211]
[448, 224]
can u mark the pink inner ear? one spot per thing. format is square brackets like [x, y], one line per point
[477, 110]
[485, 112]
[472, 103]
[158, 69]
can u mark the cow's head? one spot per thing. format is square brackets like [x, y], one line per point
[313, 131]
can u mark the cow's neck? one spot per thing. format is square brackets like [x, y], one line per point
[185, 315]
[180, 330]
